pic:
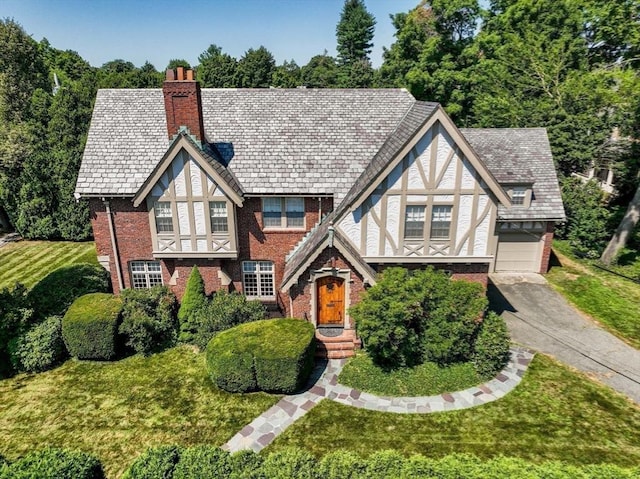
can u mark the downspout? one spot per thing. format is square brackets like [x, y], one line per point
[114, 245]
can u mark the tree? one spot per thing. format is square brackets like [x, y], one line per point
[177, 62]
[192, 305]
[287, 75]
[217, 69]
[320, 72]
[255, 68]
[354, 32]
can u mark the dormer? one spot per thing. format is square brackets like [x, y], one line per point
[521, 194]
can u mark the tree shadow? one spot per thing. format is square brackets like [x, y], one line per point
[497, 302]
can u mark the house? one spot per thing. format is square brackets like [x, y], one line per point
[299, 198]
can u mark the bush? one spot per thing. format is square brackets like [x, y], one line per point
[291, 463]
[491, 353]
[90, 327]
[342, 465]
[53, 294]
[155, 463]
[383, 464]
[410, 317]
[149, 319]
[223, 311]
[273, 355]
[191, 307]
[245, 464]
[15, 316]
[202, 461]
[40, 348]
[52, 463]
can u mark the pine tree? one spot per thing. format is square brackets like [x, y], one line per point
[354, 33]
[193, 301]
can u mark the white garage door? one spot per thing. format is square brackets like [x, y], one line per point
[518, 252]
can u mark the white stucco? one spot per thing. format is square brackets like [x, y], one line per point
[464, 217]
[183, 217]
[393, 224]
[351, 226]
[394, 181]
[196, 179]
[449, 179]
[198, 215]
[185, 244]
[416, 199]
[468, 180]
[179, 179]
[201, 245]
[415, 181]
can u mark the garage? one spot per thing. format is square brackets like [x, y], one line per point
[519, 252]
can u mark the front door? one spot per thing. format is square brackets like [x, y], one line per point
[330, 301]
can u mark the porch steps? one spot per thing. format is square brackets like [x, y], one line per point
[338, 347]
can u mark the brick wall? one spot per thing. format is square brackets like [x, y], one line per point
[478, 272]
[546, 250]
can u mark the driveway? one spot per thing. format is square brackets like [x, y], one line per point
[540, 318]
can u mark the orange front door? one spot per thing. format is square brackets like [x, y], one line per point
[330, 301]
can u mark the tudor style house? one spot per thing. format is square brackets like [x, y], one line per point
[300, 197]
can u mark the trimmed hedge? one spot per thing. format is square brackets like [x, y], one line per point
[53, 463]
[90, 327]
[295, 463]
[274, 355]
[491, 348]
[40, 348]
[53, 294]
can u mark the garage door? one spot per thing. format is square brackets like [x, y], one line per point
[518, 252]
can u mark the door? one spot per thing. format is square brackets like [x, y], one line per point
[518, 252]
[330, 301]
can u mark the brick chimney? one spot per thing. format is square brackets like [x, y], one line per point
[182, 103]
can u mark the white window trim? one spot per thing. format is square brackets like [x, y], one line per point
[226, 217]
[449, 215]
[406, 211]
[260, 275]
[147, 275]
[284, 218]
[161, 213]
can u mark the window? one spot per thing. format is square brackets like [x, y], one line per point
[273, 208]
[414, 221]
[518, 194]
[145, 274]
[218, 214]
[164, 219]
[258, 279]
[440, 222]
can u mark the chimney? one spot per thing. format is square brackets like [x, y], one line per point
[182, 103]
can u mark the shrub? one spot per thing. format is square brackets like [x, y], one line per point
[342, 465]
[383, 464]
[148, 319]
[40, 348]
[192, 306]
[291, 463]
[52, 463]
[155, 463]
[90, 327]
[202, 461]
[15, 316]
[53, 294]
[410, 317]
[491, 353]
[245, 464]
[223, 311]
[273, 355]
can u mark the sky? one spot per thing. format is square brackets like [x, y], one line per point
[160, 30]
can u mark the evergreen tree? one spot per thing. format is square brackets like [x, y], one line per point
[256, 68]
[354, 32]
[217, 69]
[192, 305]
[287, 75]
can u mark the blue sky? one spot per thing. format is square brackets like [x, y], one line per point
[159, 30]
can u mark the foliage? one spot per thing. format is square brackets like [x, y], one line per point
[587, 217]
[155, 462]
[202, 461]
[341, 464]
[15, 316]
[54, 463]
[273, 355]
[407, 318]
[54, 293]
[90, 327]
[287, 75]
[491, 346]
[426, 379]
[320, 72]
[290, 463]
[255, 68]
[149, 319]
[193, 302]
[40, 348]
[354, 32]
[217, 69]
[223, 311]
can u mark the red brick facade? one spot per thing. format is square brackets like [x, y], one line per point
[546, 251]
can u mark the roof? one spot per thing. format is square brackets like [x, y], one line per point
[520, 156]
[303, 141]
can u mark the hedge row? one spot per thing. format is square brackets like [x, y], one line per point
[274, 355]
[53, 463]
[173, 462]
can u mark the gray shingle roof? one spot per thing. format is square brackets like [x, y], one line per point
[300, 141]
[520, 155]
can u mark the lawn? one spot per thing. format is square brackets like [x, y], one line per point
[117, 410]
[554, 414]
[423, 380]
[30, 261]
[609, 299]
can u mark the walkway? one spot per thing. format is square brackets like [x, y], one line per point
[540, 318]
[324, 384]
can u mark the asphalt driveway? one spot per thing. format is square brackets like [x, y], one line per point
[541, 319]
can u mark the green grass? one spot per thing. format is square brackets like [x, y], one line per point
[612, 301]
[28, 262]
[554, 414]
[117, 410]
[424, 380]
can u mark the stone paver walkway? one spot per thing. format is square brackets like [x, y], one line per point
[324, 384]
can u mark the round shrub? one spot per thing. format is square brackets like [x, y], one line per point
[53, 294]
[274, 355]
[202, 461]
[491, 348]
[53, 463]
[155, 463]
[149, 319]
[90, 327]
[40, 348]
